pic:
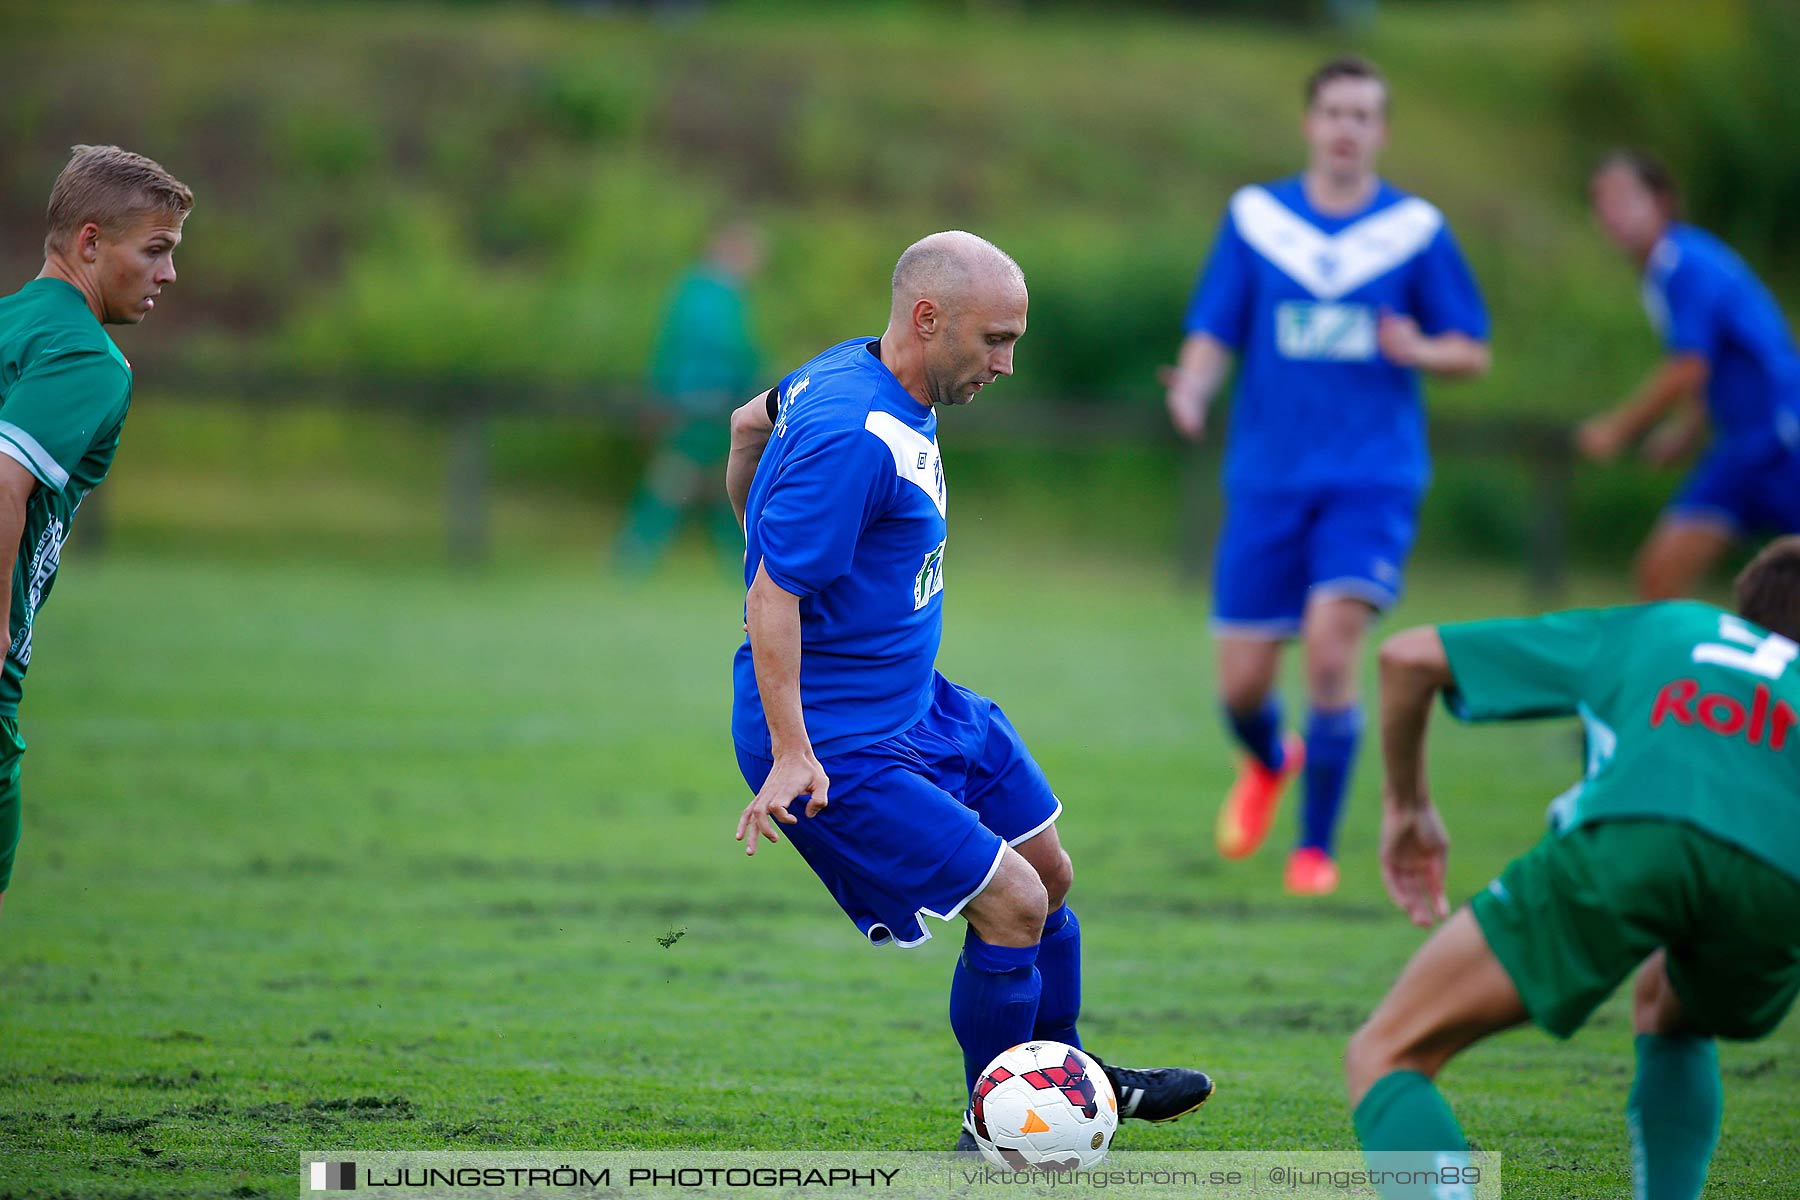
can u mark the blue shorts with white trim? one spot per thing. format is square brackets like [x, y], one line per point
[1279, 548]
[917, 823]
[1748, 490]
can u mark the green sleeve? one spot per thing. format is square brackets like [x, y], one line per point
[1528, 666]
[59, 409]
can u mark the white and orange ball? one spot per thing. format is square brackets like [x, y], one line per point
[1043, 1106]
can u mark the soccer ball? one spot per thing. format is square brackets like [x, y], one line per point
[1043, 1106]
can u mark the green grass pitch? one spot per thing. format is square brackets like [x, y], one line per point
[345, 857]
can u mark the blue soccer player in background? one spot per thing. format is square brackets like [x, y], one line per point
[910, 797]
[1724, 338]
[1332, 290]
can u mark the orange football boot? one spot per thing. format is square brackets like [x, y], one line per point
[1311, 872]
[1249, 807]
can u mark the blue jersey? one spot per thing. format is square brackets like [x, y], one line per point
[1297, 294]
[847, 512]
[1703, 300]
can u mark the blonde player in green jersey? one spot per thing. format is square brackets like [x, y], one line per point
[113, 224]
[1677, 856]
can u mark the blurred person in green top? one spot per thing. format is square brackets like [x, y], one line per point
[704, 365]
[113, 224]
[1676, 856]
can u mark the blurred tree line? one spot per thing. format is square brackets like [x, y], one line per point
[505, 193]
[1711, 87]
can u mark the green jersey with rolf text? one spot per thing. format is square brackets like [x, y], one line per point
[1691, 714]
[64, 392]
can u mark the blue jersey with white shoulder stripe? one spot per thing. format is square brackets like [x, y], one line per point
[1704, 300]
[1298, 295]
[846, 511]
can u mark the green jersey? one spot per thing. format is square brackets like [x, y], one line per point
[704, 357]
[64, 391]
[1691, 714]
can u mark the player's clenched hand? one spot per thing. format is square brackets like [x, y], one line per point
[1668, 445]
[1400, 340]
[1414, 849]
[792, 776]
[1187, 404]
[1600, 438]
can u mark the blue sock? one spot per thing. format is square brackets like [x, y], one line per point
[1259, 732]
[993, 1000]
[1059, 966]
[1330, 751]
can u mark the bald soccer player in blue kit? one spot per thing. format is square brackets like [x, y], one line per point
[910, 797]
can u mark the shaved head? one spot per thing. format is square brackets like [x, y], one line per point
[953, 269]
[959, 307]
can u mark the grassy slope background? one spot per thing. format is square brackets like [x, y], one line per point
[505, 193]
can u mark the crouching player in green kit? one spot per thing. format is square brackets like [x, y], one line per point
[114, 222]
[1678, 856]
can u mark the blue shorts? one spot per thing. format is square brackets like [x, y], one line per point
[917, 824]
[1278, 549]
[1749, 491]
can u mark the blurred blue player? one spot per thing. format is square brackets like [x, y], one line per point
[1333, 290]
[1724, 338]
[910, 797]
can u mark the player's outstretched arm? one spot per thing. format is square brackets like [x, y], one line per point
[1414, 845]
[773, 616]
[1193, 381]
[1679, 377]
[750, 429]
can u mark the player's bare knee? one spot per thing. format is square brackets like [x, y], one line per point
[1020, 923]
[1242, 691]
[1058, 876]
[1246, 673]
[1030, 907]
[1010, 911]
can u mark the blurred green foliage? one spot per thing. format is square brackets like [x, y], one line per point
[506, 193]
[1710, 88]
